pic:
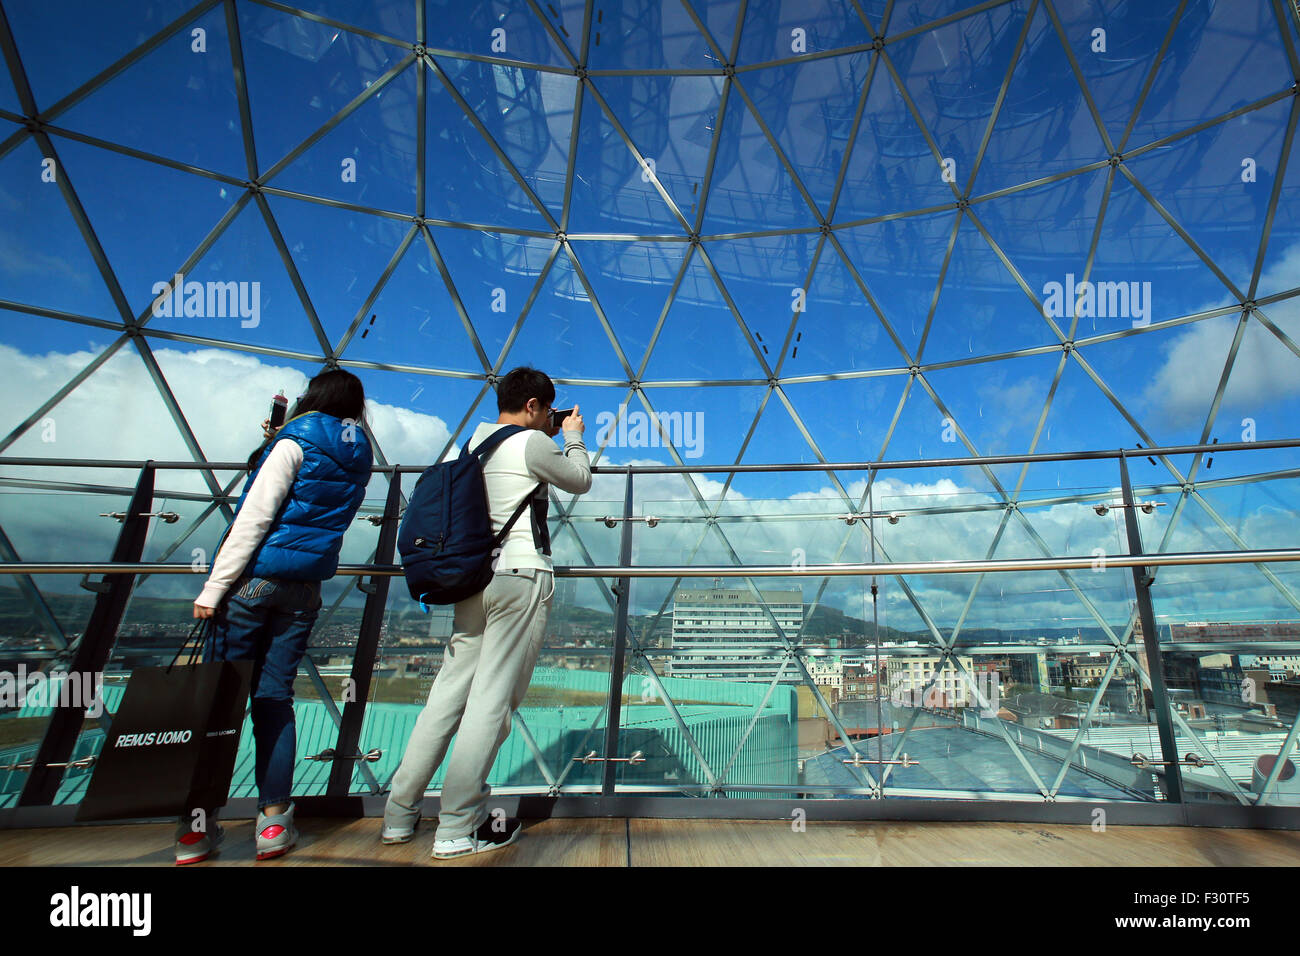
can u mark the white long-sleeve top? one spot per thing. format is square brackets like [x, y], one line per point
[254, 519]
[513, 470]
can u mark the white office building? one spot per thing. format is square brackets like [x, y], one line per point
[725, 634]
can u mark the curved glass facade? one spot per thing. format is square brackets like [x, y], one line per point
[818, 232]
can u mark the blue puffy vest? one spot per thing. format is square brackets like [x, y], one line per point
[304, 541]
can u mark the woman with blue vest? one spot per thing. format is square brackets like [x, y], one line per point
[305, 484]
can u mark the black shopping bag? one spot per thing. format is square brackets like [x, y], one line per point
[173, 741]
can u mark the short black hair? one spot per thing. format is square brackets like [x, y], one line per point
[521, 384]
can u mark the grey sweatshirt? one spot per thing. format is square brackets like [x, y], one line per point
[514, 469]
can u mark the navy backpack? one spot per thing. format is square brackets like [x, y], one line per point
[445, 539]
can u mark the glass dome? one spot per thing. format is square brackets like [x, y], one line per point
[733, 233]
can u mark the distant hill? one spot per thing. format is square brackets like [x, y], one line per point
[825, 622]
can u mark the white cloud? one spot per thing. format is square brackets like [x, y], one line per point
[117, 413]
[1264, 372]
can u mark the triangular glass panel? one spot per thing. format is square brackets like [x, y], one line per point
[529, 114]
[982, 309]
[1261, 510]
[1183, 590]
[900, 262]
[494, 275]
[1139, 252]
[891, 167]
[924, 431]
[1221, 58]
[1115, 47]
[68, 604]
[613, 192]
[149, 218]
[647, 35]
[1047, 234]
[414, 320]
[1070, 527]
[667, 119]
[776, 438]
[953, 75]
[457, 153]
[1082, 417]
[843, 489]
[837, 330]
[41, 35]
[864, 407]
[681, 535]
[810, 107]
[767, 278]
[188, 80]
[683, 418]
[229, 429]
[1282, 257]
[88, 423]
[631, 281]
[369, 158]
[1182, 174]
[239, 291]
[562, 333]
[178, 542]
[45, 260]
[285, 59]
[998, 404]
[1044, 126]
[751, 189]
[34, 335]
[340, 256]
[414, 417]
[907, 15]
[567, 18]
[779, 31]
[493, 28]
[8, 101]
[700, 339]
[394, 18]
[1260, 396]
[721, 21]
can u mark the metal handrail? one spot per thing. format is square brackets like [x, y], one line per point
[743, 571]
[1102, 455]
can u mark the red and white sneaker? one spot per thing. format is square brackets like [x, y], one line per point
[276, 834]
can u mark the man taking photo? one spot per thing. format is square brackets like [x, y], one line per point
[497, 633]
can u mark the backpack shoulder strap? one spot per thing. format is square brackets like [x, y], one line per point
[501, 535]
[489, 444]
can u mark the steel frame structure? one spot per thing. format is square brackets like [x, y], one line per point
[99, 641]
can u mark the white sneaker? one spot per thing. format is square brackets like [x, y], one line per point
[399, 834]
[482, 840]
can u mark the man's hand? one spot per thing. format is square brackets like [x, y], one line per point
[267, 430]
[204, 612]
[574, 422]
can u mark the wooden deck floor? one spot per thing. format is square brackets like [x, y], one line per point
[692, 843]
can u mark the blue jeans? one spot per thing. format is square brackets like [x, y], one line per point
[268, 621]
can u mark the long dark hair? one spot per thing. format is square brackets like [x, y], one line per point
[334, 392]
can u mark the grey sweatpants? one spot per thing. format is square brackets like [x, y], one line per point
[485, 673]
